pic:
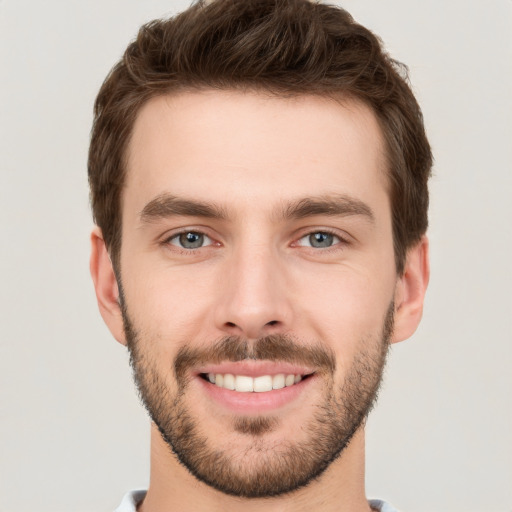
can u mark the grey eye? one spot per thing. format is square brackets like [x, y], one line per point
[190, 240]
[319, 240]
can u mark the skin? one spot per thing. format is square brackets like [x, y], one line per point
[253, 156]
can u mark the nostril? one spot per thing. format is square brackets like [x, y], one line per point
[251, 330]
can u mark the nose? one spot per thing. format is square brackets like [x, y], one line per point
[253, 298]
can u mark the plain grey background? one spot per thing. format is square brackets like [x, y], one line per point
[72, 434]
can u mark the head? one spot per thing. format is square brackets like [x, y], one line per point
[258, 175]
[284, 48]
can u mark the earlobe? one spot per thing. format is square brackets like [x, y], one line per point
[410, 291]
[105, 285]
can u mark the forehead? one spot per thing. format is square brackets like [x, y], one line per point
[249, 148]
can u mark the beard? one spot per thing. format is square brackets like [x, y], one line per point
[261, 468]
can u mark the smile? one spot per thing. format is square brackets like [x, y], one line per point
[254, 387]
[247, 384]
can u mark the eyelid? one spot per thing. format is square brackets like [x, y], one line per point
[342, 237]
[180, 230]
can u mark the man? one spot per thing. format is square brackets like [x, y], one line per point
[258, 175]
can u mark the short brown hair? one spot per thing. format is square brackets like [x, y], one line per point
[285, 47]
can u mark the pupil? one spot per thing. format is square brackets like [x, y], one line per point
[191, 240]
[321, 239]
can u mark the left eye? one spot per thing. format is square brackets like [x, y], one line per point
[319, 240]
[190, 240]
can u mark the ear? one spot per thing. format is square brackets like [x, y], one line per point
[105, 285]
[410, 291]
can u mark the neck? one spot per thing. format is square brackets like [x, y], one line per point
[172, 488]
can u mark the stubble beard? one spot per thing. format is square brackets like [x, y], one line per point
[262, 469]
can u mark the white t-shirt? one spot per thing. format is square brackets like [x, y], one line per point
[133, 498]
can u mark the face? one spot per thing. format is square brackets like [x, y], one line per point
[258, 281]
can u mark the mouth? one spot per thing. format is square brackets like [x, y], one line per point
[252, 387]
[248, 384]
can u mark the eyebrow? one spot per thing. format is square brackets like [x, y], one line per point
[331, 205]
[166, 205]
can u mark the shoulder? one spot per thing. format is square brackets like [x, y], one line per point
[381, 506]
[130, 501]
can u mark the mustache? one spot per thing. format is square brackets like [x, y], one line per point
[275, 347]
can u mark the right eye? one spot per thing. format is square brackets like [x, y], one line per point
[319, 240]
[190, 240]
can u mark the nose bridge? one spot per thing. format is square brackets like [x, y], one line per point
[253, 301]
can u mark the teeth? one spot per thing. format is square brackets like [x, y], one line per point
[244, 384]
[262, 384]
[229, 381]
[278, 381]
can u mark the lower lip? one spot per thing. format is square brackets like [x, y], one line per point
[255, 403]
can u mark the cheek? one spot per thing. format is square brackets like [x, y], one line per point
[169, 303]
[343, 306]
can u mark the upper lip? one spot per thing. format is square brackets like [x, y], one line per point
[255, 368]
